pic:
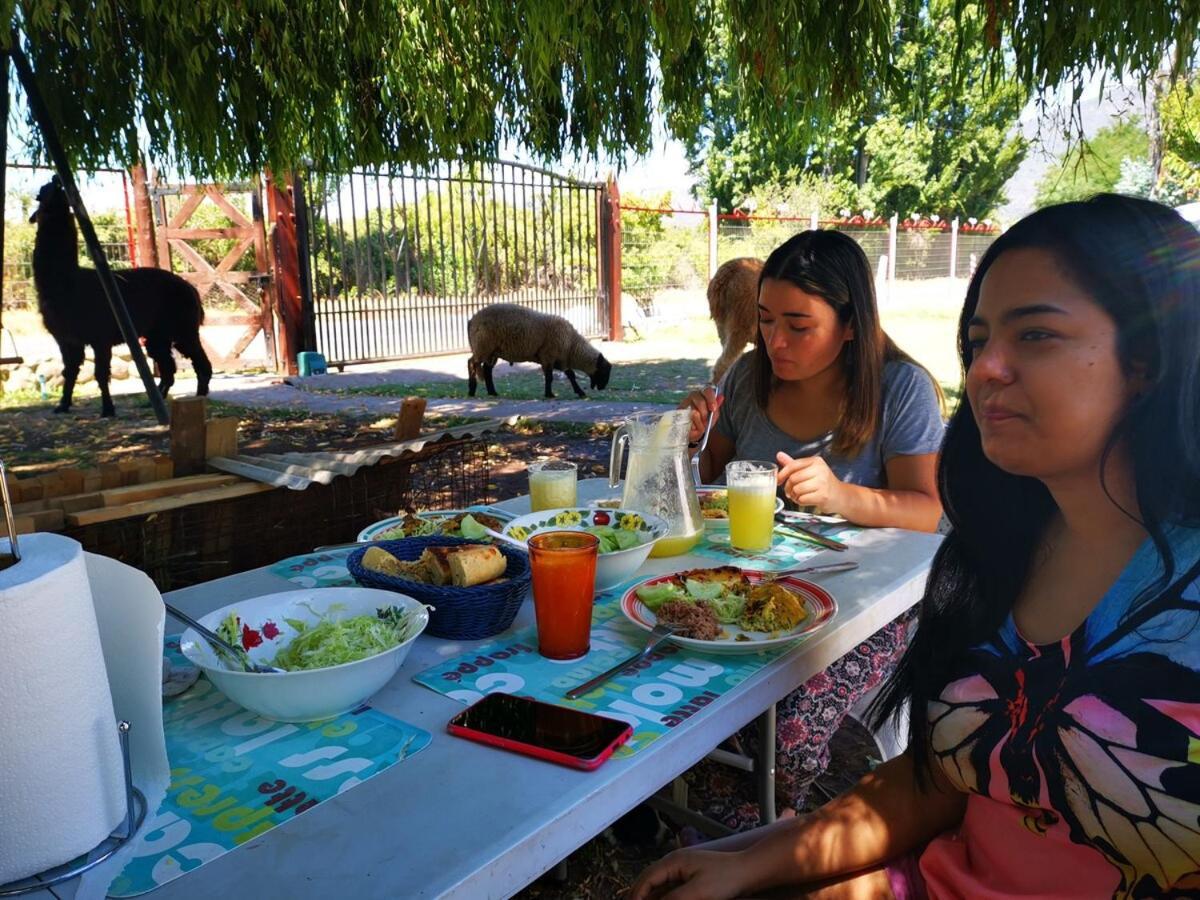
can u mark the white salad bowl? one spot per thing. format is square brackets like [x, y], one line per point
[310, 694]
[611, 568]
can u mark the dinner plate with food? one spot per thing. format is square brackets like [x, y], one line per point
[714, 503]
[431, 522]
[730, 610]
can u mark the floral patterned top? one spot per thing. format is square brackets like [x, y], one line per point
[1082, 757]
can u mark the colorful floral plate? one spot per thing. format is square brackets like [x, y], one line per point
[817, 601]
[611, 568]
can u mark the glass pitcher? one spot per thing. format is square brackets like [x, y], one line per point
[659, 479]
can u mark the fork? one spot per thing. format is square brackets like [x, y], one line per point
[704, 438]
[659, 634]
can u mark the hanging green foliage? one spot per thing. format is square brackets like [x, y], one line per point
[218, 88]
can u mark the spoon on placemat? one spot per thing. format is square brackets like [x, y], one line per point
[218, 642]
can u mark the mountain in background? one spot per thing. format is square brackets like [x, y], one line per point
[1045, 128]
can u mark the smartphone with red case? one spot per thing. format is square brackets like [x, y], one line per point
[569, 737]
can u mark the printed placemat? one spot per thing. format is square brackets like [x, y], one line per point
[784, 553]
[235, 775]
[312, 570]
[671, 686]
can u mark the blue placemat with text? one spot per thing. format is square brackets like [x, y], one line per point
[672, 684]
[324, 570]
[785, 551]
[235, 775]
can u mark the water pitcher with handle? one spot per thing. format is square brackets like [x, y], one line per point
[658, 479]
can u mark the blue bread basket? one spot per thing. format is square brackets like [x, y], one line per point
[465, 614]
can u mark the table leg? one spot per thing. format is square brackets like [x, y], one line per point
[764, 766]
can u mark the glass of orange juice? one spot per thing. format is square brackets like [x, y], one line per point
[552, 484]
[751, 486]
[563, 567]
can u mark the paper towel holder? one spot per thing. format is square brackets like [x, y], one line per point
[135, 814]
[9, 522]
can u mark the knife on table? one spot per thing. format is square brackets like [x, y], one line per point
[786, 527]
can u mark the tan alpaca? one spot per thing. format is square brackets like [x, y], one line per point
[733, 305]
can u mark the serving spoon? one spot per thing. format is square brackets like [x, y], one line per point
[220, 643]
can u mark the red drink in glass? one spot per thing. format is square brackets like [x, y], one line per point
[563, 566]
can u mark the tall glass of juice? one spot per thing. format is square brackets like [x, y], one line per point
[563, 567]
[751, 485]
[552, 484]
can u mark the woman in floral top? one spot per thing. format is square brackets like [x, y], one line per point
[1056, 669]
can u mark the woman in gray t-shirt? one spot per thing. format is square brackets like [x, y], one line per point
[855, 426]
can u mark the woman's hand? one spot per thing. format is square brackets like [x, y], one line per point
[692, 875]
[809, 481]
[700, 403]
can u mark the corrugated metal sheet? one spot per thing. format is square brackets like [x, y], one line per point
[297, 471]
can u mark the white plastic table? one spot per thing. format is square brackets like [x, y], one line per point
[460, 819]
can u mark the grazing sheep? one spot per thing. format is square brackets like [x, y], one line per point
[520, 334]
[733, 305]
[165, 308]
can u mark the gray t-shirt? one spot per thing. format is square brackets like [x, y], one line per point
[910, 424]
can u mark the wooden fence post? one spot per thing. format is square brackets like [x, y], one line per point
[147, 250]
[286, 253]
[610, 255]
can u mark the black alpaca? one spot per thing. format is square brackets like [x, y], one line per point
[165, 309]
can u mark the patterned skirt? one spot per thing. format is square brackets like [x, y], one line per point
[805, 722]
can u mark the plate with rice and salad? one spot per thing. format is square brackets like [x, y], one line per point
[730, 610]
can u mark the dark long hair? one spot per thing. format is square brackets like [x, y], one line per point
[1140, 261]
[832, 266]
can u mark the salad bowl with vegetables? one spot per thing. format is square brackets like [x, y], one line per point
[337, 647]
[626, 536]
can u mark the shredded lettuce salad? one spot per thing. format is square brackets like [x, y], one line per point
[726, 605]
[331, 642]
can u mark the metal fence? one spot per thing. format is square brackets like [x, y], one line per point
[106, 196]
[400, 259]
[667, 254]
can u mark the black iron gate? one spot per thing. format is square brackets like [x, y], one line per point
[401, 259]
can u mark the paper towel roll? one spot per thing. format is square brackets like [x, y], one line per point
[62, 785]
[130, 615]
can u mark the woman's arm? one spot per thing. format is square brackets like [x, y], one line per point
[885, 816]
[720, 449]
[909, 501]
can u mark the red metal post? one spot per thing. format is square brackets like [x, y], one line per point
[281, 208]
[610, 255]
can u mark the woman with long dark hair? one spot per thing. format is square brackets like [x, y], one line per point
[854, 425]
[1054, 679]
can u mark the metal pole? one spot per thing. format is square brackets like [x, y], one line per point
[893, 226]
[713, 223]
[953, 245]
[308, 328]
[59, 157]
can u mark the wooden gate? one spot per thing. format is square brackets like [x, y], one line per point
[233, 296]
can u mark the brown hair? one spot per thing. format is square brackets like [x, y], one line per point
[833, 266]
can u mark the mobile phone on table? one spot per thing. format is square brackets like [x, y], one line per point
[569, 737]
